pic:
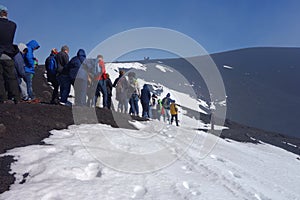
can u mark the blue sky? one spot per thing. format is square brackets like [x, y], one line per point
[218, 25]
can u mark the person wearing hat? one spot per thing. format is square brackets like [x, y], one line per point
[174, 112]
[166, 101]
[51, 75]
[7, 54]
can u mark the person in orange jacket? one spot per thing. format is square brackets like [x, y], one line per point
[101, 87]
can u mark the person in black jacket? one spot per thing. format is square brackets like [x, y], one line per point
[109, 87]
[7, 53]
[145, 100]
[63, 77]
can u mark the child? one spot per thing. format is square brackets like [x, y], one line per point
[174, 112]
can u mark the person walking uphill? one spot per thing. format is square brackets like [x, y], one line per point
[62, 59]
[79, 77]
[29, 66]
[166, 101]
[7, 53]
[174, 112]
[145, 101]
[133, 94]
[101, 87]
[121, 84]
[51, 65]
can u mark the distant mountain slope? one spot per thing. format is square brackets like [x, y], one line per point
[261, 85]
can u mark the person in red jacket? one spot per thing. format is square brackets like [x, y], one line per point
[101, 87]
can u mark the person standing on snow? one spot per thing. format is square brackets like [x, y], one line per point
[121, 84]
[29, 66]
[174, 112]
[133, 94]
[166, 101]
[145, 101]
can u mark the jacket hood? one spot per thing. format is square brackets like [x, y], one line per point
[81, 53]
[33, 44]
[145, 87]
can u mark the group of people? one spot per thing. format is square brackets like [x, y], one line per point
[128, 92]
[87, 76]
[17, 63]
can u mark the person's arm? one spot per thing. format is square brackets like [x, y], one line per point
[29, 57]
[116, 82]
[109, 84]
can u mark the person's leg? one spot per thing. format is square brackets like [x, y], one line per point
[65, 86]
[2, 87]
[80, 87]
[97, 93]
[28, 80]
[168, 114]
[144, 112]
[23, 89]
[172, 119]
[11, 79]
[104, 92]
[176, 118]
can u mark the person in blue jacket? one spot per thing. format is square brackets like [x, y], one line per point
[78, 72]
[145, 100]
[29, 66]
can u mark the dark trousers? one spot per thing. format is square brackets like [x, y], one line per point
[65, 87]
[176, 119]
[8, 78]
[80, 87]
[146, 108]
[54, 82]
[101, 87]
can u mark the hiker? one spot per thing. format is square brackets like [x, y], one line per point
[121, 84]
[174, 112]
[145, 101]
[51, 68]
[101, 86]
[159, 109]
[20, 69]
[153, 103]
[166, 101]
[7, 53]
[109, 91]
[133, 94]
[29, 66]
[78, 73]
[64, 81]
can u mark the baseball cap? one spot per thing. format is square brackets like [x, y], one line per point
[3, 8]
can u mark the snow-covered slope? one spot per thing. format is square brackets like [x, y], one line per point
[162, 78]
[70, 168]
[101, 162]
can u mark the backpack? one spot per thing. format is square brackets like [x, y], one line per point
[165, 103]
[52, 66]
[91, 66]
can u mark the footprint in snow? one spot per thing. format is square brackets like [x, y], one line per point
[234, 174]
[139, 192]
[191, 188]
[217, 158]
